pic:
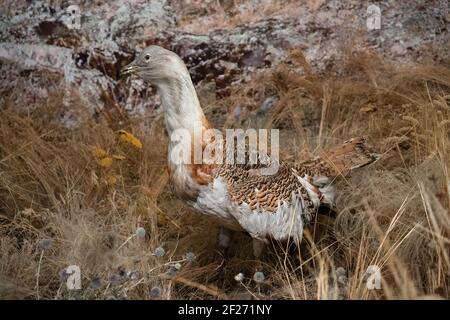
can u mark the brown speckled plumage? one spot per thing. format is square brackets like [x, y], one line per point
[265, 192]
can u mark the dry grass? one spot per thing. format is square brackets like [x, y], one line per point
[393, 214]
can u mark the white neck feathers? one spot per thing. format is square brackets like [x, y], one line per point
[180, 103]
[182, 111]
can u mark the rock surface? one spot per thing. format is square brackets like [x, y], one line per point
[87, 44]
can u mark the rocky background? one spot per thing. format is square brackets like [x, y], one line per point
[83, 44]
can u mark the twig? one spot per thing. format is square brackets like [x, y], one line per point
[126, 241]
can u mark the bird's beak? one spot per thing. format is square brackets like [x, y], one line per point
[128, 69]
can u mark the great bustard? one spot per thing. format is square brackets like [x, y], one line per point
[276, 206]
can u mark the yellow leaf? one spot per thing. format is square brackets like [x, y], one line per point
[119, 157]
[162, 218]
[99, 152]
[111, 180]
[106, 162]
[129, 138]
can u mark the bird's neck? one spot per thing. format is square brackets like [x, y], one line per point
[185, 123]
[180, 104]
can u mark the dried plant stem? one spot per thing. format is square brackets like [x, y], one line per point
[125, 242]
[211, 291]
[38, 273]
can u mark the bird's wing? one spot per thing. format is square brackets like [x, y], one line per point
[246, 183]
[340, 160]
[264, 192]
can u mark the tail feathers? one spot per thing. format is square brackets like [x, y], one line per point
[352, 154]
[336, 162]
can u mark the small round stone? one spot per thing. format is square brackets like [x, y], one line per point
[177, 266]
[268, 104]
[45, 244]
[172, 271]
[258, 277]
[155, 292]
[190, 257]
[140, 232]
[160, 252]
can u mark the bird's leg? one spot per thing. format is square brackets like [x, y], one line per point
[223, 244]
[258, 248]
[224, 238]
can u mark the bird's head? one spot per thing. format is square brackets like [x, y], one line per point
[157, 65]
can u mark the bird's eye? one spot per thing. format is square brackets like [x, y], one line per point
[147, 57]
